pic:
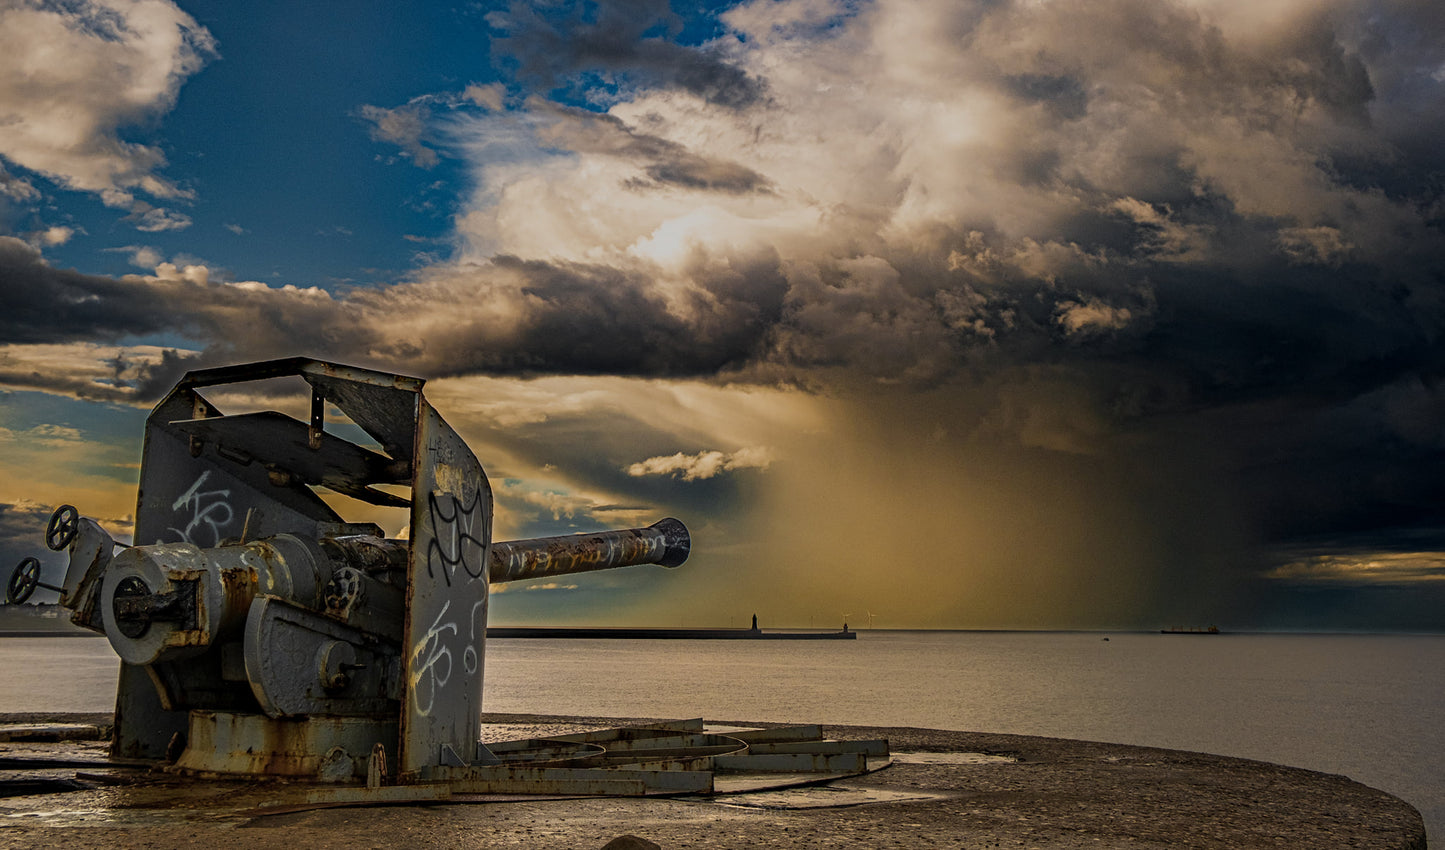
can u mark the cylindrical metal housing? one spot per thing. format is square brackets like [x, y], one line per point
[665, 542]
[170, 600]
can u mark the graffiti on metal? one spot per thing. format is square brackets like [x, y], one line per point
[208, 509]
[433, 657]
[471, 658]
[261, 618]
[431, 673]
[459, 540]
[451, 520]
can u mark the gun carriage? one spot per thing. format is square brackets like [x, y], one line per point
[259, 632]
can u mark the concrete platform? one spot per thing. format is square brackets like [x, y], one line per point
[944, 789]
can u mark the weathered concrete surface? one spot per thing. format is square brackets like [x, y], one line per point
[1046, 793]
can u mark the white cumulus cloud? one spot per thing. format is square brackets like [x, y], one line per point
[703, 465]
[51, 236]
[72, 75]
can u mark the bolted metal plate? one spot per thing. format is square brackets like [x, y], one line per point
[294, 657]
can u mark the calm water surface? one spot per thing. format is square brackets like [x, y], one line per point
[1368, 707]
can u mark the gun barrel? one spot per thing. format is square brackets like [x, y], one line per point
[665, 542]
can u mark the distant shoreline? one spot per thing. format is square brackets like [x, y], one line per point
[496, 632]
[31, 623]
[516, 634]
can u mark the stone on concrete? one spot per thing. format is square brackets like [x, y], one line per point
[631, 842]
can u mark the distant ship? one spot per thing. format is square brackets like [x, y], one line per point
[1212, 630]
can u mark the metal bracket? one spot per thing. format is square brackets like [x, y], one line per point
[318, 418]
[449, 758]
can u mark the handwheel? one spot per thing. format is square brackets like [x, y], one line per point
[23, 581]
[64, 525]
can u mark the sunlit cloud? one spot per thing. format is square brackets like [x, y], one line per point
[90, 475]
[141, 256]
[1091, 317]
[703, 465]
[1321, 245]
[123, 64]
[530, 587]
[404, 126]
[48, 436]
[149, 219]
[517, 497]
[16, 188]
[83, 370]
[1369, 568]
[51, 236]
[490, 96]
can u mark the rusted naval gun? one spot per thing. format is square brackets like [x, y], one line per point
[258, 631]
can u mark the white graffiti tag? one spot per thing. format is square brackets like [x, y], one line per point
[436, 667]
[209, 509]
[470, 657]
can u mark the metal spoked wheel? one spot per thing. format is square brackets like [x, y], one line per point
[23, 581]
[64, 525]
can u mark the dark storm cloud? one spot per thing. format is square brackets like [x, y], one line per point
[45, 304]
[1167, 283]
[22, 529]
[507, 317]
[236, 321]
[625, 40]
[1063, 94]
[1392, 575]
[578, 319]
[1349, 464]
[1403, 44]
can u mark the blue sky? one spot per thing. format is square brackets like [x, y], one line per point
[298, 188]
[1134, 306]
[293, 189]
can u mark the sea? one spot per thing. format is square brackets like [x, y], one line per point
[1365, 706]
